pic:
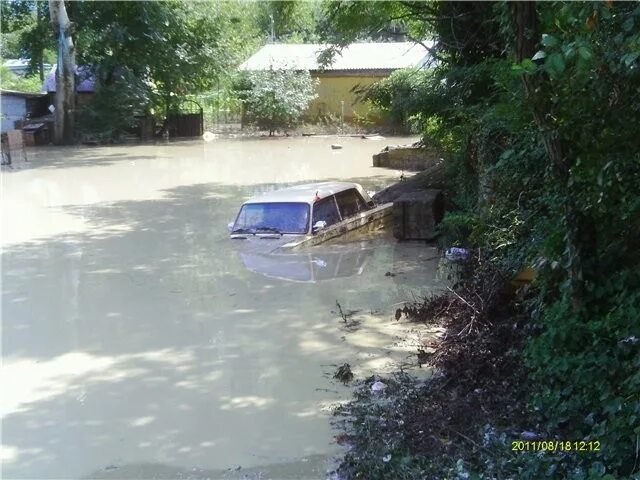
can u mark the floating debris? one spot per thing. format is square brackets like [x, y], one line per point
[423, 356]
[344, 373]
[378, 387]
[345, 315]
[208, 136]
[457, 254]
[336, 146]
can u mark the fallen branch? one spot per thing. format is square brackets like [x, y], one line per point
[467, 303]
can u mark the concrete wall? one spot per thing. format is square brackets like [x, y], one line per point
[12, 108]
[406, 157]
[334, 89]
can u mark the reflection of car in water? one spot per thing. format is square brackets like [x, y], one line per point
[309, 266]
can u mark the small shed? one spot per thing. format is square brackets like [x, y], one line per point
[20, 106]
[85, 85]
[36, 134]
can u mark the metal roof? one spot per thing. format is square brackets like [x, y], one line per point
[306, 193]
[357, 56]
[16, 93]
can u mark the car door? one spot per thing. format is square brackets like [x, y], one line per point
[350, 203]
[326, 210]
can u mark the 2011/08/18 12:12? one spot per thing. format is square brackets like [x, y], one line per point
[555, 445]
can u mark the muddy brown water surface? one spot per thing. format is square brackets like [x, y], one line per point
[137, 341]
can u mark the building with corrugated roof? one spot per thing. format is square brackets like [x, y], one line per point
[358, 65]
[19, 107]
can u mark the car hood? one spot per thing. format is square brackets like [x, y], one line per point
[263, 243]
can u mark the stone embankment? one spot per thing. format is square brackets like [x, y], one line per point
[415, 157]
[419, 201]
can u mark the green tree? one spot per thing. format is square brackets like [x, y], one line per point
[27, 33]
[401, 97]
[148, 56]
[536, 106]
[289, 21]
[277, 99]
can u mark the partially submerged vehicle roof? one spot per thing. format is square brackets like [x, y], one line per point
[307, 193]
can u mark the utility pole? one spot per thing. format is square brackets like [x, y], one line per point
[65, 74]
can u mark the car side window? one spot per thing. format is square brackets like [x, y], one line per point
[350, 202]
[326, 210]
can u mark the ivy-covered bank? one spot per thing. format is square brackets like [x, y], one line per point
[536, 108]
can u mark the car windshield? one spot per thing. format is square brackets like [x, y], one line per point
[273, 217]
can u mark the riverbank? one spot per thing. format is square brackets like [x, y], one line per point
[463, 418]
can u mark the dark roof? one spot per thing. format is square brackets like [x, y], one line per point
[85, 81]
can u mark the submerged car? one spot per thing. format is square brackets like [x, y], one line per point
[308, 214]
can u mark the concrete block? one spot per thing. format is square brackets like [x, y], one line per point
[405, 157]
[416, 215]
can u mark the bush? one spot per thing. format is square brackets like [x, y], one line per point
[587, 370]
[277, 99]
[10, 81]
[400, 97]
[114, 107]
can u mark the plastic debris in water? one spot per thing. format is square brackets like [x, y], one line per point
[530, 436]
[336, 146]
[457, 253]
[208, 136]
[386, 458]
[378, 387]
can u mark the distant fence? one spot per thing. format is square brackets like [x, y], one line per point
[187, 121]
[221, 111]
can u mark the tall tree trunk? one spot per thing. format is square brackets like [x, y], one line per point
[40, 21]
[65, 74]
[525, 23]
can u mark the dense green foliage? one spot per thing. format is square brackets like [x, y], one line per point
[400, 96]
[10, 81]
[537, 111]
[147, 56]
[26, 33]
[277, 99]
[289, 21]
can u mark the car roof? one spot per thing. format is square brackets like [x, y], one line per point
[307, 193]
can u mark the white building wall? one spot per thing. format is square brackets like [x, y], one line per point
[12, 108]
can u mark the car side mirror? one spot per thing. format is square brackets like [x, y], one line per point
[230, 226]
[319, 225]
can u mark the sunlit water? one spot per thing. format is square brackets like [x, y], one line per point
[136, 343]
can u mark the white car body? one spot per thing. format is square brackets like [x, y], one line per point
[341, 200]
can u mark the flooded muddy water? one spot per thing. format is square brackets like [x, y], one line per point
[137, 341]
